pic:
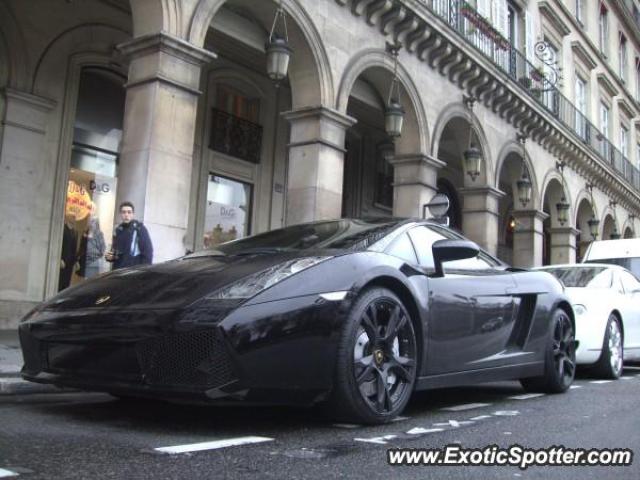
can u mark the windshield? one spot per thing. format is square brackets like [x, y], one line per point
[581, 277]
[335, 234]
[630, 263]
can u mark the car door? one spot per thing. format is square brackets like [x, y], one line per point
[631, 315]
[471, 310]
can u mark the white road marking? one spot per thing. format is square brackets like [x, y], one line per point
[466, 406]
[7, 473]
[506, 413]
[599, 382]
[420, 430]
[507, 433]
[400, 419]
[574, 386]
[378, 440]
[626, 378]
[453, 423]
[527, 396]
[346, 425]
[480, 417]
[228, 442]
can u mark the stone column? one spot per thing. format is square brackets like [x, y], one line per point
[414, 183]
[27, 176]
[316, 164]
[563, 245]
[157, 144]
[480, 217]
[528, 238]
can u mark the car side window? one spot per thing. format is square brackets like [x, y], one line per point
[403, 249]
[423, 239]
[629, 282]
[475, 263]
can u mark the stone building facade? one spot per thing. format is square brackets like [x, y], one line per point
[167, 103]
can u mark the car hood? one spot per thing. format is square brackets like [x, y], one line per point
[166, 285]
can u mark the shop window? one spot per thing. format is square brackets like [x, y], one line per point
[228, 211]
[91, 189]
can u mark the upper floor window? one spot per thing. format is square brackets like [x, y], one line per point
[580, 11]
[581, 106]
[603, 28]
[236, 103]
[604, 119]
[622, 61]
[638, 79]
[624, 141]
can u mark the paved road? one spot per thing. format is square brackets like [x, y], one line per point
[87, 436]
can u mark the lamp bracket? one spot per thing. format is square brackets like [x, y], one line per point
[393, 49]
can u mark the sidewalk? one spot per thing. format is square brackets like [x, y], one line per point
[10, 364]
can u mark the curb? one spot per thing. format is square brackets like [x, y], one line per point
[18, 386]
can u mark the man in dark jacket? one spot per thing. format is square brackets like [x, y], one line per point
[131, 242]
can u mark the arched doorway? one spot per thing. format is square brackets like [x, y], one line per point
[609, 227]
[519, 242]
[558, 233]
[90, 204]
[584, 213]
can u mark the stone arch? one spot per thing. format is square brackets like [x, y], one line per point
[458, 110]
[509, 150]
[310, 69]
[97, 38]
[628, 230]
[13, 53]
[608, 224]
[553, 181]
[415, 139]
[153, 16]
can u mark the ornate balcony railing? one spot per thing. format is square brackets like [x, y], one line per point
[235, 136]
[538, 82]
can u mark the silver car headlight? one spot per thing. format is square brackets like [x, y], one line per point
[580, 310]
[253, 284]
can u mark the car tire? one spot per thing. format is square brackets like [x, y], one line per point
[609, 365]
[560, 358]
[376, 362]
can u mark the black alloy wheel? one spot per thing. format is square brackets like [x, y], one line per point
[560, 357]
[377, 360]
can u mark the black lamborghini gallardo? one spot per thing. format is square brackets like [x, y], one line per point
[356, 314]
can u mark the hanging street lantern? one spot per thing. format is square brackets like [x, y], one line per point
[524, 184]
[393, 118]
[562, 208]
[524, 189]
[594, 223]
[472, 156]
[615, 235]
[394, 112]
[472, 161]
[278, 50]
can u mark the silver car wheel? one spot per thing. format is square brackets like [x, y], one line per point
[615, 347]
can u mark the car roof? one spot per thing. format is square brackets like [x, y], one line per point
[620, 248]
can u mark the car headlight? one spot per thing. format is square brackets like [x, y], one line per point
[253, 284]
[580, 310]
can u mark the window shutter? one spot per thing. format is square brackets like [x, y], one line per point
[484, 8]
[530, 37]
[501, 18]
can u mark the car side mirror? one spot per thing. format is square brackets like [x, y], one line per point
[449, 250]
